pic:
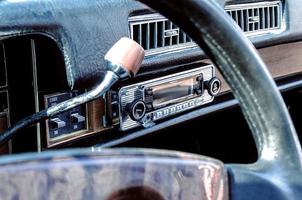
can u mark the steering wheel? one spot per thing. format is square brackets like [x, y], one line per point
[150, 174]
[277, 173]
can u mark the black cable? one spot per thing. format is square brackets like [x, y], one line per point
[26, 122]
[109, 79]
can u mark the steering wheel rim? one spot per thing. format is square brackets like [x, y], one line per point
[279, 150]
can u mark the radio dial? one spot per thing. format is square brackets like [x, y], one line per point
[214, 86]
[137, 110]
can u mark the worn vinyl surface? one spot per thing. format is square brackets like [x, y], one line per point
[85, 31]
[112, 174]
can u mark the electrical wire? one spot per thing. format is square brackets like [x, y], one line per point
[26, 122]
[109, 79]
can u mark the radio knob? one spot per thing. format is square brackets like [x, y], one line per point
[137, 110]
[214, 86]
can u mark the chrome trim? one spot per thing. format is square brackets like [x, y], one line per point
[156, 18]
[169, 49]
[252, 5]
[130, 93]
[36, 91]
[260, 6]
[168, 33]
[118, 69]
[203, 111]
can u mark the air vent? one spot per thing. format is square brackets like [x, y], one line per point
[159, 35]
[34, 66]
[258, 18]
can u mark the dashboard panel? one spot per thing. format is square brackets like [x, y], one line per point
[61, 46]
[76, 39]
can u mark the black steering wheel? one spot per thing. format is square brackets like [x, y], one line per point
[277, 174]
[146, 174]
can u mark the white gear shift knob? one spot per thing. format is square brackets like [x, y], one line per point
[128, 54]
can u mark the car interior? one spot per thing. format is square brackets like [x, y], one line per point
[150, 99]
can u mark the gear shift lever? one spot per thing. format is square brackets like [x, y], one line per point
[122, 60]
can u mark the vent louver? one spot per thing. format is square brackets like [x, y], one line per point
[159, 35]
[34, 66]
[257, 18]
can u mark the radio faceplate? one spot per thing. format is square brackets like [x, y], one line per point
[144, 103]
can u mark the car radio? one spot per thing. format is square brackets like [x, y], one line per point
[142, 104]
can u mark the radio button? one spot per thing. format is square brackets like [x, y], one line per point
[191, 104]
[158, 115]
[166, 112]
[173, 110]
[185, 105]
[178, 108]
[57, 123]
[77, 118]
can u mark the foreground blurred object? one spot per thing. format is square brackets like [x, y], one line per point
[112, 175]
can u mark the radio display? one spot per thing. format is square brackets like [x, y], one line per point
[172, 92]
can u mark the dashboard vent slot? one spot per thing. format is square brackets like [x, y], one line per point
[257, 18]
[158, 35]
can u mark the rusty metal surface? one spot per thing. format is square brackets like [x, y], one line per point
[111, 174]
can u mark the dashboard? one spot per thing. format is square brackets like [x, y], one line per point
[52, 51]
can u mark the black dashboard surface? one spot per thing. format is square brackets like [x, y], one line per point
[86, 30]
